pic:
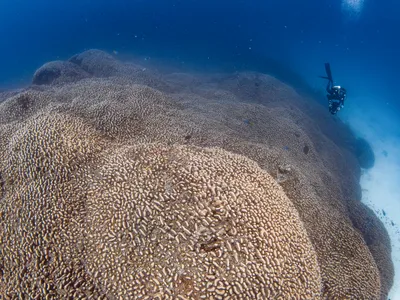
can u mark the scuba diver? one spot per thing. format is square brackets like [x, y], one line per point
[336, 94]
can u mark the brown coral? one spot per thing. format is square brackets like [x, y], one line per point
[378, 241]
[41, 243]
[146, 220]
[185, 225]
[123, 115]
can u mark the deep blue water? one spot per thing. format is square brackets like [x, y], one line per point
[289, 38]
[302, 34]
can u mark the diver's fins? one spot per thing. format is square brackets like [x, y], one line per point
[328, 71]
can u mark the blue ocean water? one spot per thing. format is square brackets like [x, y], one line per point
[287, 38]
[362, 50]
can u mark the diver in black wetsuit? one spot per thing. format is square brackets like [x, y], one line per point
[336, 96]
[336, 93]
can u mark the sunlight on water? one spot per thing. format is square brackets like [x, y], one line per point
[352, 8]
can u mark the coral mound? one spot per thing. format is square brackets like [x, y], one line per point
[57, 72]
[203, 223]
[150, 219]
[97, 63]
[126, 182]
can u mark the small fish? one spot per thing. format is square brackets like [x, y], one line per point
[247, 121]
[286, 148]
[115, 52]
[384, 213]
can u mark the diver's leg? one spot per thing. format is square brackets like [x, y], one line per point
[333, 107]
[336, 106]
[328, 71]
[329, 86]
